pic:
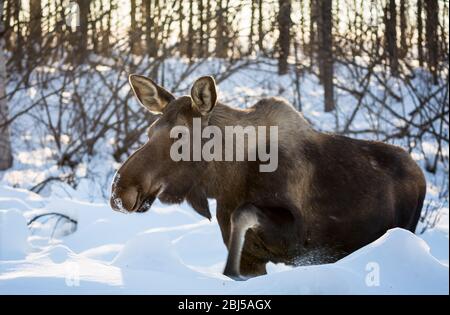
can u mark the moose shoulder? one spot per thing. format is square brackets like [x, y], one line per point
[328, 196]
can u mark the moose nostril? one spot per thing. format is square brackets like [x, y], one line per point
[124, 199]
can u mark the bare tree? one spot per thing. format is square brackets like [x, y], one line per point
[221, 34]
[106, 41]
[260, 26]
[201, 29]
[432, 23]
[182, 42]
[284, 40]
[208, 26]
[133, 35]
[326, 53]
[190, 39]
[403, 29]
[6, 158]
[16, 38]
[391, 35]
[34, 39]
[420, 32]
[252, 27]
[80, 42]
[314, 14]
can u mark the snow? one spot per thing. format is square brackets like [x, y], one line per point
[402, 259]
[13, 234]
[171, 249]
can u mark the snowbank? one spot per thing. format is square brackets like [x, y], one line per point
[397, 263]
[171, 249]
[13, 235]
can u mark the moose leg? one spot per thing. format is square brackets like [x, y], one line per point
[242, 219]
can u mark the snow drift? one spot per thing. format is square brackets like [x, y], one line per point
[172, 250]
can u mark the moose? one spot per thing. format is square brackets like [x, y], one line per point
[329, 196]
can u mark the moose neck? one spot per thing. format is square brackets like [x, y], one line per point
[227, 179]
[222, 177]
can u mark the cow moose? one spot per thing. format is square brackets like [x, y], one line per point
[329, 196]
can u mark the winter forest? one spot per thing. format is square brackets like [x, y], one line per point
[366, 69]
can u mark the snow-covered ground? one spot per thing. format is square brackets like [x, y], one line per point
[171, 249]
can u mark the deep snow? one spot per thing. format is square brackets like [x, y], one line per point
[171, 249]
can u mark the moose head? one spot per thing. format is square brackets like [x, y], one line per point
[150, 172]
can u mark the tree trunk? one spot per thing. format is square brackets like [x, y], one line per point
[190, 40]
[314, 16]
[150, 33]
[391, 36]
[284, 40]
[5, 140]
[81, 42]
[35, 29]
[201, 30]
[260, 27]
[133, 27]
[96, 27]
[420, 32]
[325, 24]
[252, 27]
[107, 33]
[432, 22]
[60, 30]
[17, 47]
[403, 29]
[221, 40]
[182, 48]
[208, 26]
[157, 28]
[8, 25]
[444, 28]
[302, 26]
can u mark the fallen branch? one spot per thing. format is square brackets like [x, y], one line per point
[60, 215]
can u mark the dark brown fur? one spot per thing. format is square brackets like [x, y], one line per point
[329, 196]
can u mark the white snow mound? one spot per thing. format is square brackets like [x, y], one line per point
[397, 263]
[172, 250]
[13, 235]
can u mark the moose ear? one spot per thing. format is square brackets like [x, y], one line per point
[152, 96]
[204, 95]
